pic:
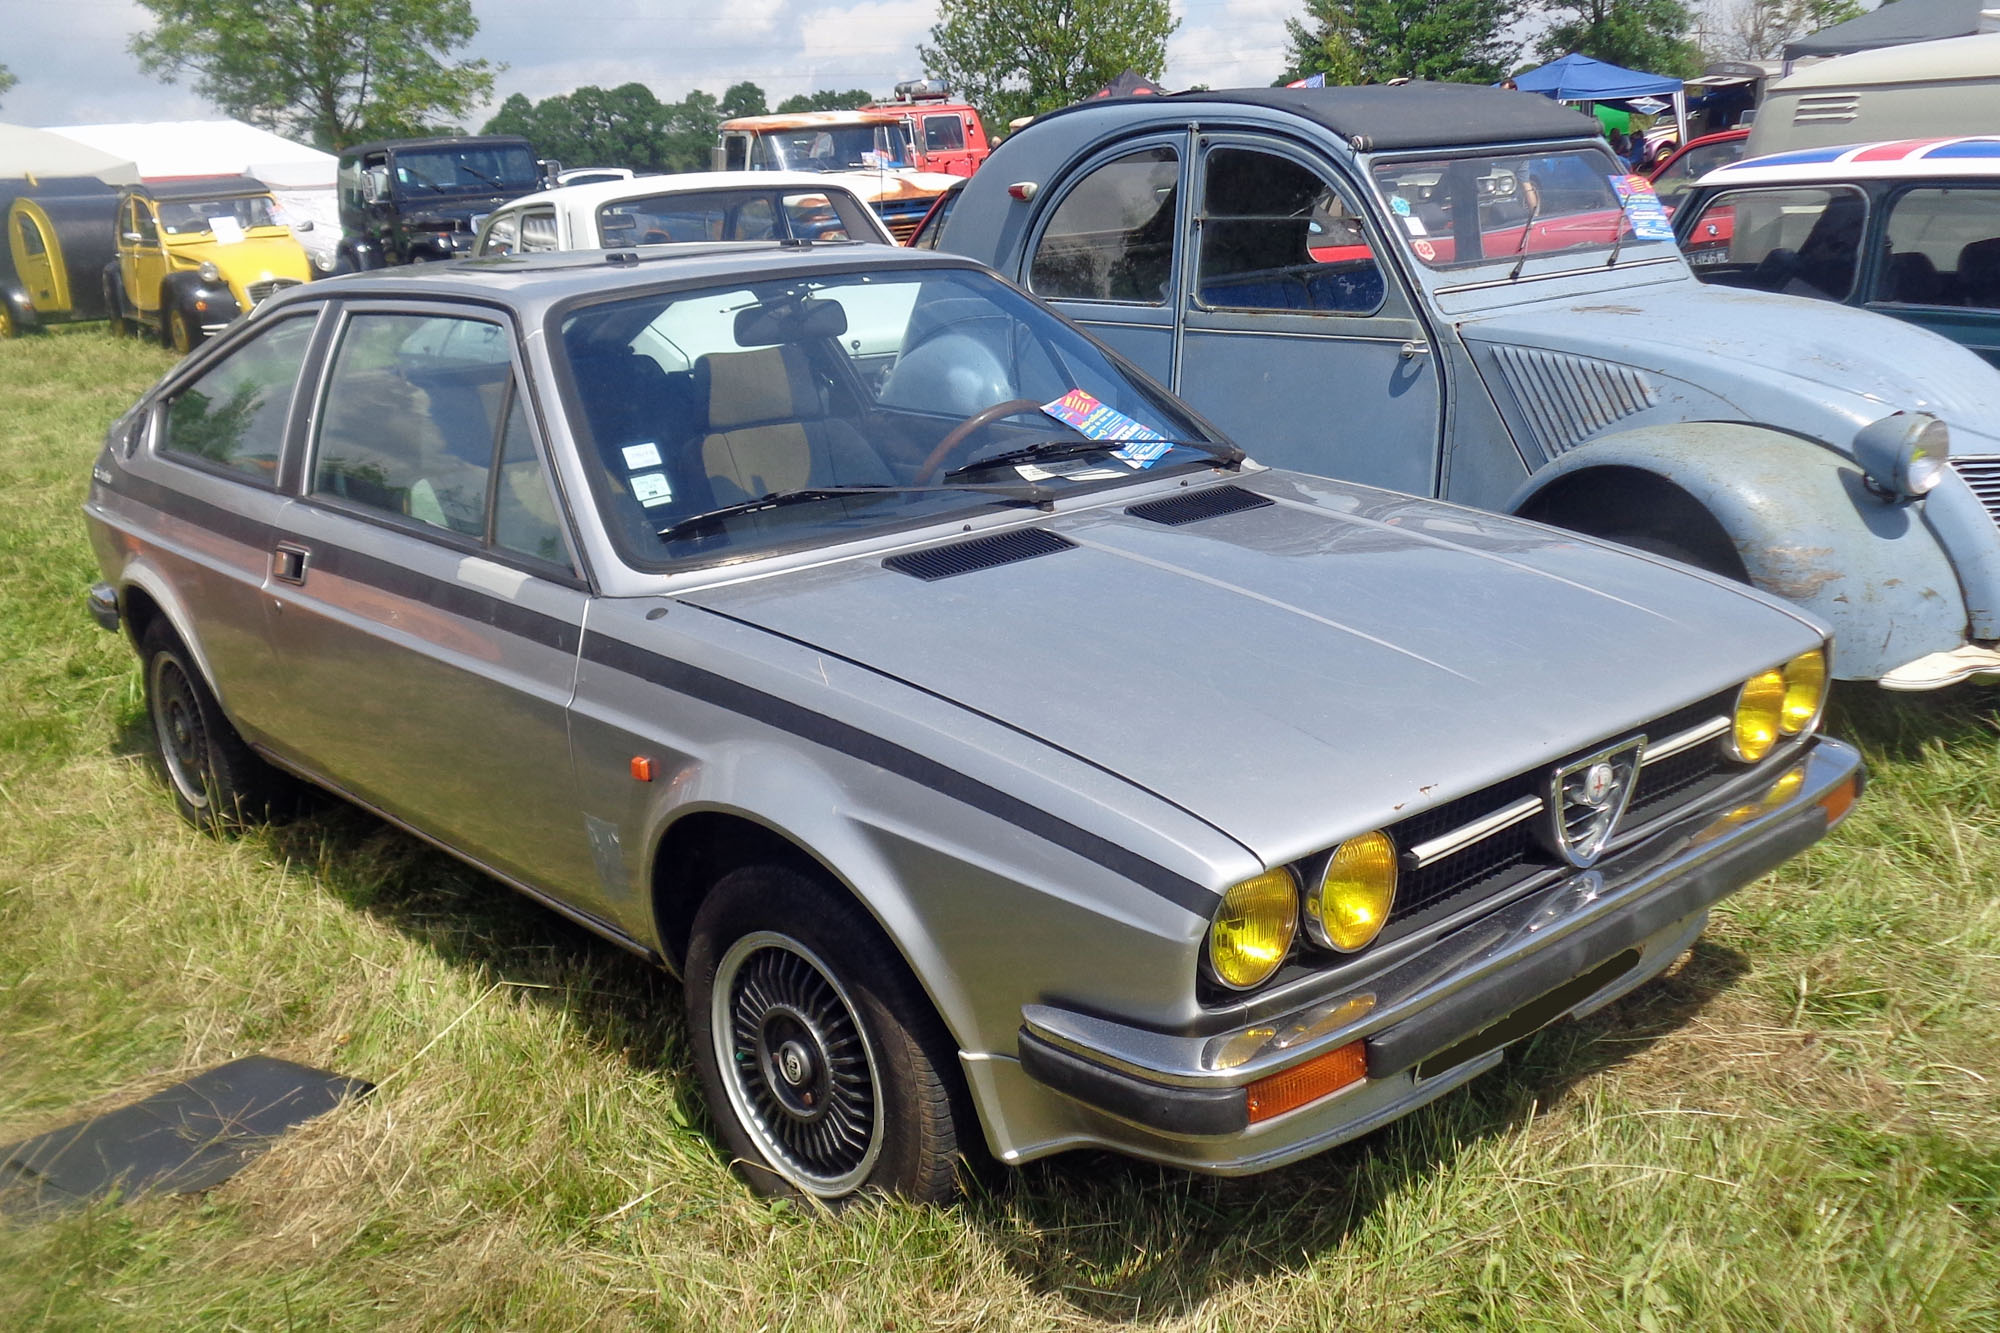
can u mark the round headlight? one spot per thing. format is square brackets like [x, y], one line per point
[1904, 454]
[208, 272]
[1253, 929]
[1805, 692]
[1346, 909]
[1760, 705]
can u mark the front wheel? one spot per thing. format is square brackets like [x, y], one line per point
[181, 332]
[218, 782]
[823, 1063]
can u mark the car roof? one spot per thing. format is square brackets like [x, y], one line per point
[1966, 156]
[438, 141]
[1381, 117]
[645, 187]
[1970, 57]
[544, 278]
[201, 187]
[799, 120]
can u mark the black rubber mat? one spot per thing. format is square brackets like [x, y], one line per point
[188, 1137]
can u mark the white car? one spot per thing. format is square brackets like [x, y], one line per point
[693, 206]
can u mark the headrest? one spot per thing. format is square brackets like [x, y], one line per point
[753, 387]
[1980, 260]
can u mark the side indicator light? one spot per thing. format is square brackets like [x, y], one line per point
[642, 768]
[1308, 1082]
[1839, 801]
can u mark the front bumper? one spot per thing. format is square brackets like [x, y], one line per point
[1427, 1021]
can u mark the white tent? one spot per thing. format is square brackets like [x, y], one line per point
[37, 154]
[300, 177]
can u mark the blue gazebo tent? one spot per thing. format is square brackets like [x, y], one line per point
[1578, 78]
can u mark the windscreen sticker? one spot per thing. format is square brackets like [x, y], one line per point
[227, 230]
[1414, 225]
[1069, 470]
[1642, 208]
[1399, 205]
[1425, 250]
[1091, 419]
[652, 488]
[645, 454]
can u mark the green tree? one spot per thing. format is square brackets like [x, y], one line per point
[1373, 41]
[1759, 29]
[332, 71]
[744, 99]
[624, 126]
[7, 80]
[1646, 35]
[826, 99]
[688, 132]
[1024, 57]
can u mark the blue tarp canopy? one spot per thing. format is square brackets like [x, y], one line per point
[1578, 78]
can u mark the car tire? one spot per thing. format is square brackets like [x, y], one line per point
[179, 332]
[218, 783]
[825, 1067]
[9, 326]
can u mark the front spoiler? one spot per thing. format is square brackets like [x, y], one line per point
[1169, 1098]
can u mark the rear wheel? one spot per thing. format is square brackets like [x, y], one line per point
[8, 327]
[218, 782]
[826, 1070]
[114, 303]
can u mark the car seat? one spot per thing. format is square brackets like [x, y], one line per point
[1979, 272]
[768, 427]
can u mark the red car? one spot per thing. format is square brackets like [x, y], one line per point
[1689, 163]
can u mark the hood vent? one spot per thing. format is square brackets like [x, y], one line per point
[1826, 108]
[1211, 502]
[944, 562]
[1567, 399]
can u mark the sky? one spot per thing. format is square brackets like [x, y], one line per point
[70, 55]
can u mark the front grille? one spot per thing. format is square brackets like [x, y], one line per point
[902, 217]
[1982, 475]
[260, 292]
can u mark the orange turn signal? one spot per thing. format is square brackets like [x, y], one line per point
[1839, 801]
[1315, 1078]
[642, 768]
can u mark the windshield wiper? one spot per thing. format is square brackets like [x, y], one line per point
[475, 171]
[1227, 454]
[1025, 494]
[1527, 230]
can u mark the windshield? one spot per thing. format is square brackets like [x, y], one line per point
[904, 385]
[484, 169]
[841, 147]
[1459, 211]
[193, 217]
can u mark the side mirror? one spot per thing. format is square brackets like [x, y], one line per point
[303, 226]
[375, 185]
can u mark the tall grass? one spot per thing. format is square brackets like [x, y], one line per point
[1798, 1128]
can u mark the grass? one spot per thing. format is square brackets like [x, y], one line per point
[1797, 1128]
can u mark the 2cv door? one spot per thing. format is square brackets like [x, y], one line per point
[1267, 303]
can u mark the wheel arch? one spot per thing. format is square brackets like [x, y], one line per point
[1797, 516]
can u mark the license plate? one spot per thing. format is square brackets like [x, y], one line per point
[1530, 1017]
[1700, 257]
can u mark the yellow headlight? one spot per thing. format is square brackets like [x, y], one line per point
[1253, 929]
[1760, 705]
[1805, 692]
[1346, 909]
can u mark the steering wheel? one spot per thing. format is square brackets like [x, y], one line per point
[933, 466]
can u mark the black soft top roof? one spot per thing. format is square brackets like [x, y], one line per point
[1378, 117]
[203, 187]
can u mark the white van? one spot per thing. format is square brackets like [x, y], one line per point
[1920, 90]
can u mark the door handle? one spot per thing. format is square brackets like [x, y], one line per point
[288, 563]
[1414, 349]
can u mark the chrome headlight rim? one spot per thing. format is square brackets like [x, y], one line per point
[1814, 666]
[1212, 970]
[208, 272]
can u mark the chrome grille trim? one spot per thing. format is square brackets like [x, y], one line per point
[1687, 740]
[260, 292]
[1982, 477]
[1436, 849]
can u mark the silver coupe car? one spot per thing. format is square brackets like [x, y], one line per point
[1003, 760]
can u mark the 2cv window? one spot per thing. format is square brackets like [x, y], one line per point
[1112, 237]
[1274, 236]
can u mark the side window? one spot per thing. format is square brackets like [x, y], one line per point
[1802, 241]
[149, 230]
[1112, 237]
[31, 235]
[735, 152]
[503, 235]
[943, 134]
[1275, 236]
[814, 217]
[425, 422]
[538, 231]
[234, 415]
[1943, 248]
[756, 220]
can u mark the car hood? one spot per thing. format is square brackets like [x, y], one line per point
[252, 259]
[1299, 672]
[1750, 348]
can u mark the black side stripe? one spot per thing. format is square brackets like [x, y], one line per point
[397, 580]
[820, 729]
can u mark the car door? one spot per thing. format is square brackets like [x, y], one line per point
[39, 266]
[429, 605]
[1938, 263]
[1106, 250]
[143, 261]
[211, 469]
[1297, 335]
